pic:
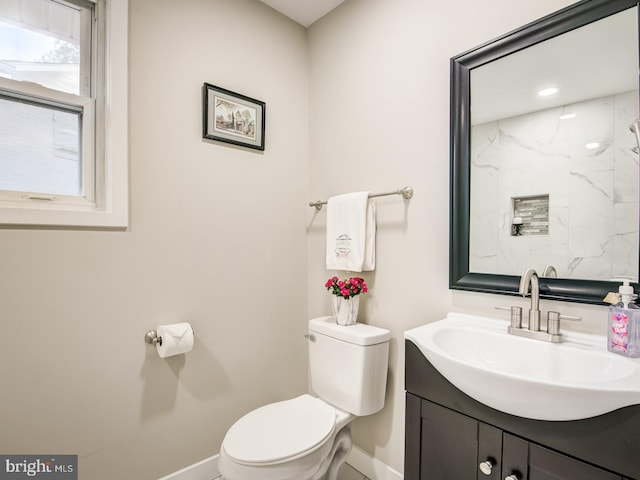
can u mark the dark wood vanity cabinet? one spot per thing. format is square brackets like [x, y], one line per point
[545, 464]
[449, 435]
[454, 446]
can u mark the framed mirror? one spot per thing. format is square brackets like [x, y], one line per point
[544, 164]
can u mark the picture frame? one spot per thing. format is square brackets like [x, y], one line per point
[232, 118]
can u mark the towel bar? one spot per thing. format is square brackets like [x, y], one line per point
[406, 192]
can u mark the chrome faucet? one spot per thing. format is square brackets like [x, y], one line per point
[529, 281]
[550, 271]
[530, 278]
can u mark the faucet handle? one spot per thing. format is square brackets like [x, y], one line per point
[553, 321]
[515, 317]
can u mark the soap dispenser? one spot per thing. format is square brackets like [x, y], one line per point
[623, 334]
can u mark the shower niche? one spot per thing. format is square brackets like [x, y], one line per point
[530, 215]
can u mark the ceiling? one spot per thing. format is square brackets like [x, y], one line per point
[594, 61]
[305, 12]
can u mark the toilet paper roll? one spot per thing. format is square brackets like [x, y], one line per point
[177, 338]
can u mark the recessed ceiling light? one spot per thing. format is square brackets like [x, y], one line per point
[592, 145]
[545, 92]
[568, 116]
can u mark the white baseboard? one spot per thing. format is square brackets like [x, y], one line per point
[206, 469]
[371, 467]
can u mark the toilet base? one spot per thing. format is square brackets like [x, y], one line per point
[339, 452]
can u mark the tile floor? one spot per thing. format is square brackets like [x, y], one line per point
[347, 472]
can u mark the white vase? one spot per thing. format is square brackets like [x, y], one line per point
[345, 310]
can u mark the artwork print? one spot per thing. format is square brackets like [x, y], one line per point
[233, 118]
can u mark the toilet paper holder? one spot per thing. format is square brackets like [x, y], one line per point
[151, 337]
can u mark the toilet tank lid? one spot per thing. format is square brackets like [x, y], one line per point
[358, 334]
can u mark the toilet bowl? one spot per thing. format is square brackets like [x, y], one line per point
[303, 438]
[309, 437]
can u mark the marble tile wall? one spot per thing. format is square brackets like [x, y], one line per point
[593, 192]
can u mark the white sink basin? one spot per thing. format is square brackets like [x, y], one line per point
[575, 379]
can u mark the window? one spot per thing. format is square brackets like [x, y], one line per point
[63, 160]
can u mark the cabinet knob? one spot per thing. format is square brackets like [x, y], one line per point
[486, 466]
[511, 477]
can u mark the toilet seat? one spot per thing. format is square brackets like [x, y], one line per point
[280, 432]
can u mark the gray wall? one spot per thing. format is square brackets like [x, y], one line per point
[217, 238]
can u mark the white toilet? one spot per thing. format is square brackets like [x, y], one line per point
[308, 438]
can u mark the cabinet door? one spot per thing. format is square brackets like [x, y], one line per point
[515, 458]
[548, 465]
[449, 444]
[489, 452]
[526, 461]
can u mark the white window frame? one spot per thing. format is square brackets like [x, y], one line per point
[104, 138]
[46, 97]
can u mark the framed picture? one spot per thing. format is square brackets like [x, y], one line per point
[232, 118]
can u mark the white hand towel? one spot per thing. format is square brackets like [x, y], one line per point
[351, 232]
[369, 263]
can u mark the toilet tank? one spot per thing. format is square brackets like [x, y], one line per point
[348, 364]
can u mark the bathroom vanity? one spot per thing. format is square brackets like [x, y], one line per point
[479, 404]
[451, 436]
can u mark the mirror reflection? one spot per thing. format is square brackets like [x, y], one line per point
[554, 163]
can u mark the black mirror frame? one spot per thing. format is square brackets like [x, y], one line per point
[562, 21]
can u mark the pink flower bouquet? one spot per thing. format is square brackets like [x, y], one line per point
[347, 288]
